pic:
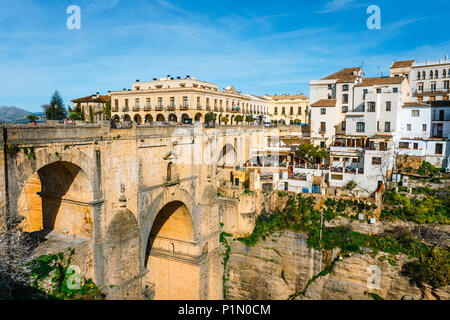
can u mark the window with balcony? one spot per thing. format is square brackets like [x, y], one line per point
[388, 106]
[149, 103]
[137, 101]
[371, 106]
[387, 127]
[323, 111]
[360, 127]
[160, 103]
[185, 102]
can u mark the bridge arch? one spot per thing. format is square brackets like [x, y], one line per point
[171, 251]
[227, 156]
[56, 193]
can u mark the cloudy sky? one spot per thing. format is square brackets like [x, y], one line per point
[260, 47]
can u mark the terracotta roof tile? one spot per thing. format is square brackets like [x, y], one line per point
[325, 103]
[93, 98]
[289, 97]
[402, 64]
[344, 75]
[380, 81]
[416, 104]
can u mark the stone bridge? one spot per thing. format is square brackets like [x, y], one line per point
[143, 200]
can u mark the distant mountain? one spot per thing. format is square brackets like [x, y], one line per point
[12, 114]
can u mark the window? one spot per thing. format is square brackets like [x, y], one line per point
[116, 103]
[403, 145]
[330, 87]
[436, 74]
[388, 106]
[337, 177]
[283, 110]
[424, 127]
[322, 127]
[418, 75]
[415, 113]
[360, 127]
[424, 75]
[395, 90]
[431, 74]
[378, 125]
[420, 87]
[378, 90]
[137, 103]
[433, 87]
[292, 111]
[438, 148]
[343, 126]
[370, 106]
[126, 103]
[185, 102]
[376, 161]
[149, 102]
[408, 127]
[366, 91]
[446, 84]
[344, 109]
[322, 144]
[444, 73]
[160, 102]
[323, 111]
[416, 146]
[276, 110]
[345, 98]
[345, 87]
[387, 127]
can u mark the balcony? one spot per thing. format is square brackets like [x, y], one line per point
[199, 107]
[184, 107]
[125, 109]
[115, 109]
[435, 91]
[159, 108]
[171, 108]
[136, 108]
[147, 108]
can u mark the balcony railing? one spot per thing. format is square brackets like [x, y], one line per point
[432, 91]
[148, 108]
[115, 109]
[199, 107]
[136, 108]
[125, 109]
[159, 108]
[171, 108]
[184, 107]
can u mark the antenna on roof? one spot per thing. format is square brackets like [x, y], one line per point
[378, 71]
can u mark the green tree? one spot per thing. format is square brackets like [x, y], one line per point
[32, 118]
[107, 110]
[249, 119]
[76, 113]
[239, 118]
[91, 115]
[311, 153]
[225, 120]
[55, 110]
[210, 117]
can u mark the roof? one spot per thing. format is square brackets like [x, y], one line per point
[403, 64]
[93, 98]
[415, 104]
[380, 81]
[325, 103]
[289, 97]
[344, 75]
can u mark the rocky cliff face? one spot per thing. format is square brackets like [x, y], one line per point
[282, 265]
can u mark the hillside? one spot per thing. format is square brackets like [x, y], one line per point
[12, 114]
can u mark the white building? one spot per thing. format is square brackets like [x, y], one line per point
[331, 98]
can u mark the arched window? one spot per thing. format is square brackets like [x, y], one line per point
[169, 171]
[431, 74]
[418, 75]
[424, 75]
[444, 73]
[448, 73]
[436, 74]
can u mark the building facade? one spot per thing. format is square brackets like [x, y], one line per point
[289, 109]
[95, 104]
[175, 100]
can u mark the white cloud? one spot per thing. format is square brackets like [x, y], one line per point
[340, 5]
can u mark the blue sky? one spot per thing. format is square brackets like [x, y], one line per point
[261, 47]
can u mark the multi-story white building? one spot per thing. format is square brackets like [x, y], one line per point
[331, 98]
